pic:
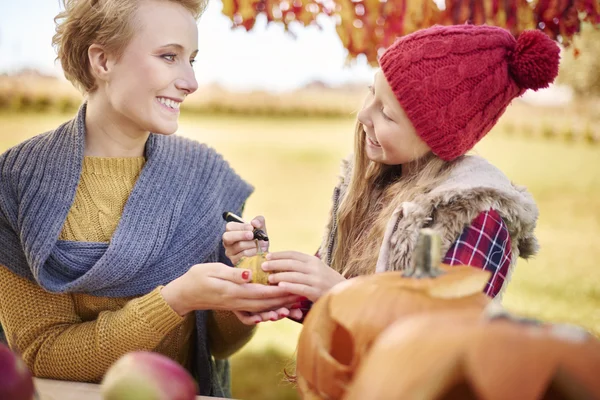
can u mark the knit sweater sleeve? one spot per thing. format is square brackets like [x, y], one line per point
[55, 343]
[226, 333]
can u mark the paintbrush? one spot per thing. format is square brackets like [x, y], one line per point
[258, 233]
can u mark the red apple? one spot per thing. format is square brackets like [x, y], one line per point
[16, 382]
[143, 375]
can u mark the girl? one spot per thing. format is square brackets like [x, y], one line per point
[111, 234]
[437, 93]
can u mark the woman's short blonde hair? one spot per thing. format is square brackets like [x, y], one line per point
[103, 22]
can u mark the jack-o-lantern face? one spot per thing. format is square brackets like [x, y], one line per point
[463, 355]
[342, 325]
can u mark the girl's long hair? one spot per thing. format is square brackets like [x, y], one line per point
[375, 191]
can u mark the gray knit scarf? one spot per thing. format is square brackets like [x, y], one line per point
[171, 221]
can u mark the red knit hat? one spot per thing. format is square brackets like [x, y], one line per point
[454, 82]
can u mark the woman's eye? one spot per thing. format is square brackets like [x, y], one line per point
[169, 57]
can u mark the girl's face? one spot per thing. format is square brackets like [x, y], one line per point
[147, 84]
[390, 136]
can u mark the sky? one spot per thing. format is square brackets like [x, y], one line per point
[265, 58]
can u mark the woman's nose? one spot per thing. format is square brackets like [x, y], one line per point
[187, 83]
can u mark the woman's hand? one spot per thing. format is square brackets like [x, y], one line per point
[238, 239]
[301, 274]
[216, 286]
[249, 318]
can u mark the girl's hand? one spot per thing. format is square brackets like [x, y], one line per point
[255, 318]
[301, 274]
[216, 286]
[238, 239]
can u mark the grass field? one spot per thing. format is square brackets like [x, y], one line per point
[293, 164]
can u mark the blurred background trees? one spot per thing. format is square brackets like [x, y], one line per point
[368, 26]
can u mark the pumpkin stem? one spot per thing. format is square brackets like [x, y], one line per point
[258, 249]
[427, 256]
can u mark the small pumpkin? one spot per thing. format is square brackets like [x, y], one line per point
[341, 326]
[254, 264]
[465, 355]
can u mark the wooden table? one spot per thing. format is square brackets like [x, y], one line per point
[65, 390]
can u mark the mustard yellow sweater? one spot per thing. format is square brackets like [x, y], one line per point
[78, 336]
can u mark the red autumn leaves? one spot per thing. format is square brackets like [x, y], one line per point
[366, 26]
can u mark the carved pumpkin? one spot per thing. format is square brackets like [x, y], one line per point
[254, 264]
[462, 355]
[342, 325]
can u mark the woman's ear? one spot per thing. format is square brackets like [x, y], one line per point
[99, 62]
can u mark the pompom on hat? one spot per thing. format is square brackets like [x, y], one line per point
[454, 82]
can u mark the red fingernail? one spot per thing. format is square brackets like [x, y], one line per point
[257, 321]
[273, 319]
[245, 275]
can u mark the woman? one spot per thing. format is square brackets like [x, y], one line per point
[110, 226]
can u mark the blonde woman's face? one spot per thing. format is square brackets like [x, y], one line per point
[154, 75]
[390, 136]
